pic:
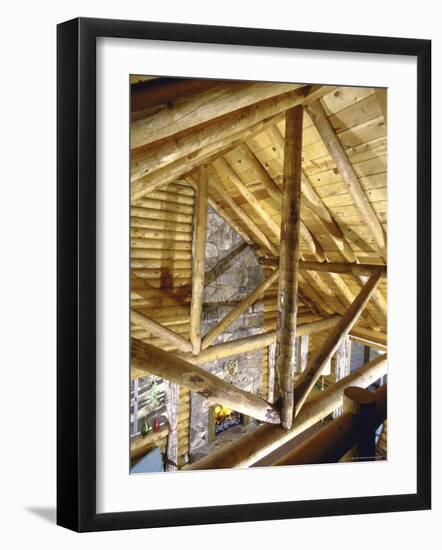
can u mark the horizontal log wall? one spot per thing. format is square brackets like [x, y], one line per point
[161, 264]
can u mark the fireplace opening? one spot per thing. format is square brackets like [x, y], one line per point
[222, 419]
[225, 419]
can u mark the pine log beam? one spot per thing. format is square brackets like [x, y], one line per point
[310, 376]
[369, 337]
[228, 219]
[338, 267]
[202, 107]
[337, 438]
[255, 445]
[377, 297]
[222, 213]
[163, 92]
[288, 266]
[261, 173]
[224, 170]
[238, 310]
[259, 235]
[198, 261]
[185, 165]
[255, 342]
[160, 331]
[217, 147]
[348, 173]
[165, 365]
[312, 201]
[221, 129]
[313, 244]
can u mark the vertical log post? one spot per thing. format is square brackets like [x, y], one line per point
[288, 263]
[198, 263]
[361, 402]
[172, 397]
[302, 353]
[271, 361]
[342, 365]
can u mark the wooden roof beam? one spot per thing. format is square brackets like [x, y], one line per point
[166, 365]
[348, 173]
[337, 267]
[254, 446]
[187, 164]
[258, 234]
[238, 310]
[256, 342]
[221, 130]
[223, 214]
[158, 330]
[313, 202]
[310, 376]
[224, 169]
[199, 108]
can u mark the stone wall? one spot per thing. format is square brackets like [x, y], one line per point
[232, 272]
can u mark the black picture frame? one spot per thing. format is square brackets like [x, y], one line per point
[76, 274]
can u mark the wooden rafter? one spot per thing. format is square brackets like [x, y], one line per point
[219, 129]
[313, 202]
[337, 267]
[255, 342]
[202, 107]
[165, 365]
[348, 173]
[275, 193]
[142, 185]
[238, 310]
[223, 214]
[248, 222]
[288, 265]
[160, 331]
[309, 377]
[186, 165]
[224, 170]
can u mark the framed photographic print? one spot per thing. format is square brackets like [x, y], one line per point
[231, 205]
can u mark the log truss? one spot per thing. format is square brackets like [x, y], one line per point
[234, 148]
